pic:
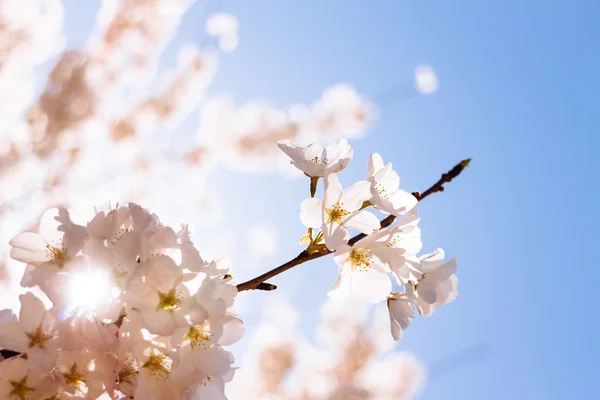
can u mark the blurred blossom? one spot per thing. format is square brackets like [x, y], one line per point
[30, 33]
[399, 376]
[244, 138]
[225, 27]
[426, 80]
[351, 364]
[343, 112]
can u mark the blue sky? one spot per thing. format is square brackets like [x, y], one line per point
[518, 94]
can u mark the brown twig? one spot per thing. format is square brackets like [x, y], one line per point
[259, 283]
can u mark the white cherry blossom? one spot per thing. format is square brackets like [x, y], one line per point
[162, 298]
[385, 184]
[316, 161]
[34, 333]
[18, 380]
[51, 250]
[401, 313]
[339, 211]
[438, 284]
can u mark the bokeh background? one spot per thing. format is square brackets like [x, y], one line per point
[518, 84]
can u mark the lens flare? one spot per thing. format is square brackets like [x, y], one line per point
[90, 290]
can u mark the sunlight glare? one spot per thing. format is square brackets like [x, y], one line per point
[90, 290]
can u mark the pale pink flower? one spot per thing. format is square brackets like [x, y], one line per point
[51, 250]
[316, 161]
[339, 211]
[34, 333]
[385, 183]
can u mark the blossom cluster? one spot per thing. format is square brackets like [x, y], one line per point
[388, 255]
[107, 100]
[125, 307]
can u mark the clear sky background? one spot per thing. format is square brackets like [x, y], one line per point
[519, 94]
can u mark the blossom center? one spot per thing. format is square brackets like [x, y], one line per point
[322, 162]
[127, 373]
[120, 233]
[383, 193]
[199, 336]
[74, 377]
[205, 381]
[158, 364]
[168, 301]
[336, 213]
[394, 242]
[38, 337]
[360, 259]
[20, 390]
[57, 254]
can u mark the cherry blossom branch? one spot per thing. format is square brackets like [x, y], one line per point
[259, 283]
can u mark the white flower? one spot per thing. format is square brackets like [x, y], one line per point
[339, 211]
[190, 256]
[162, 298]
[154, 378]
[80, 376]
[33, 333]
[405, 236]
[399, 306]
[316, 161]
[438, 285]
[363, 269]
[210, 387]
[384, 187]
[58, 242]
[17, 380]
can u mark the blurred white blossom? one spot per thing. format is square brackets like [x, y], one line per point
[426, 80]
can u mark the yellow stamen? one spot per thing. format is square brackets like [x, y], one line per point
[199, 336]
[168, 301]
[57, 254]
[159, 365]
[74, 377]
[20, 390]
[336, 213]
[360, 259]
[38, 337]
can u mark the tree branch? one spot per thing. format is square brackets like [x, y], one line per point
[259, 283]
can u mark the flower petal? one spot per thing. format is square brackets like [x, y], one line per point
[353, 197]
[311, 213]
[371, 285]
[363, 221]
